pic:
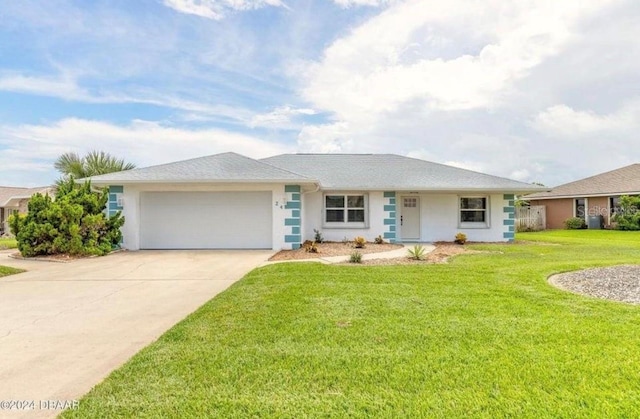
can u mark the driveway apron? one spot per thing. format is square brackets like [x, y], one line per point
[65, 326]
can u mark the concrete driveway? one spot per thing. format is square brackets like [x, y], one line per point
[65, 326]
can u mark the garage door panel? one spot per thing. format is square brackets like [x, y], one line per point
[205, 220]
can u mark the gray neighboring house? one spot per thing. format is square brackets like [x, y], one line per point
[14, 199]
[229, 201]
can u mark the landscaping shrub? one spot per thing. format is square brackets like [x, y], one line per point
[310, 247]
[461, 238]
[574, 223]
[379, 240]
[417, 253]
[359, 242]
[73, 223]
[356, 257]
[318, 237]
[629, 216]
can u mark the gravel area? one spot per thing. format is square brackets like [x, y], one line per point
[617, 283]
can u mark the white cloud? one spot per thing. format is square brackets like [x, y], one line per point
[217, 9]
[281, 118]
[326, 138]
[142, 142]
[349, 3]
[565, 123]
[64, 87]
[386, 62]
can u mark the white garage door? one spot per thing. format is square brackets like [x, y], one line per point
[205, 220]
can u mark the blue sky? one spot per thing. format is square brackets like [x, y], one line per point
[532, 90]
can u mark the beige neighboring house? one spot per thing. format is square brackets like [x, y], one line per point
[14, 199]
[597, 195]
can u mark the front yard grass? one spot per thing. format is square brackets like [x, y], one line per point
[482, 336]
[8, 244]
[5, 271]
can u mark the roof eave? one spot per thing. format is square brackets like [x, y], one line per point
[516, 191]
[186, 181]
[568, 196]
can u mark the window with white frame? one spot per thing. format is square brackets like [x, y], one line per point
[345, 210]
[474, 211]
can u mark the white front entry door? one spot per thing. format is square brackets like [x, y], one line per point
[410, 218]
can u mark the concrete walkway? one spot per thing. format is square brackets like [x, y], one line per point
[65, 326]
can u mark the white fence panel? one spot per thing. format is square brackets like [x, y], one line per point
[533, 218]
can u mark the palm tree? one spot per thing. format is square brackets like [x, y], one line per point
[92, 164]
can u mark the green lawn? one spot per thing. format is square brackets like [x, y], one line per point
[5, 270]
[484, 336]
[8, 244]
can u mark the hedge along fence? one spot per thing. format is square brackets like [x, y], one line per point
[73, 223]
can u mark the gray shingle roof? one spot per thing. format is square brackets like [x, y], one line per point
[332, 171]
[225, 167]
[616, 182]
[391, 172]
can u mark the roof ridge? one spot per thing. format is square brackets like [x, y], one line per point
[597, 175]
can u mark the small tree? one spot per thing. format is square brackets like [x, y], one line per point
[92, 164]
[629, 216]
[73, 223]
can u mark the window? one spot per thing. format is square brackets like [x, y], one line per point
[580, 207]
[410, 202]
[345, 210]
[614, 205]
[474, 211]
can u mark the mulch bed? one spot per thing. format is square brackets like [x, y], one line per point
[333, 249]
[441, 254]
[617, 283]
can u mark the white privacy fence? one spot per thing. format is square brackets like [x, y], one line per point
[531, 218]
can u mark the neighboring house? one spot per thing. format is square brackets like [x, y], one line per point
[15, 200]
[231, 201]
[597, 195]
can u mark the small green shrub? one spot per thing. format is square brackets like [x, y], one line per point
[574, 223]
[417, 252]
[356, 257]
[74, 223]
[461, 238]
[629, 216]
[318, 236]
[359, 242]
[379, 240]
[345, 240]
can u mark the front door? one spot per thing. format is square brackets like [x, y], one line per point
[410, 218]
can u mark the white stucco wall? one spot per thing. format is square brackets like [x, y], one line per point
[438, 214]
[439, 218]
[312, 217]
[131, 208]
